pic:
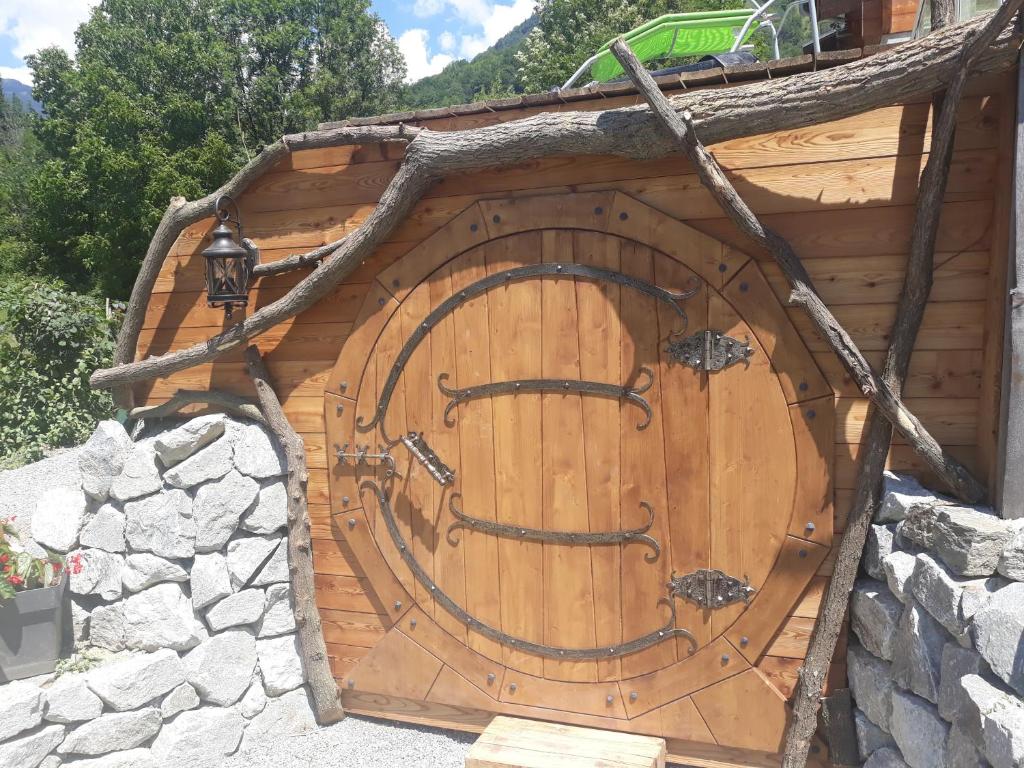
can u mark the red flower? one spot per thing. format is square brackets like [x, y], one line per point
[3, 558]
[15, 579]
[76, 563]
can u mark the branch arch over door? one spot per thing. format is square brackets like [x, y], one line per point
[730, 472]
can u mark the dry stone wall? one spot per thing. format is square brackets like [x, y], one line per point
[179, 579]
[937, 669]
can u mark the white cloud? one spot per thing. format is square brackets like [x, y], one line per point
[425, 8]
[447, 41]
[36, 24]
[496, 19]
[418, 61]
[21, 74]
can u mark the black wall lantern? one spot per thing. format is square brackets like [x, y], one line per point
[228, 265]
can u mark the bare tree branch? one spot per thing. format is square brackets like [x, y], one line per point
[224, 401]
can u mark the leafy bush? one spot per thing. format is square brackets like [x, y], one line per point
[51, 340]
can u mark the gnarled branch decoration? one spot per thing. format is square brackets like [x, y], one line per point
[718, 115]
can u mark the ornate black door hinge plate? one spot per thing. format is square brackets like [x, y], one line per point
[710, 588]
[709, 350]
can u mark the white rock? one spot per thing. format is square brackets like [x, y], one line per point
[51, 761]
[1003, 734]
[133, 681]
[200, 737]
[105, 530]
[917, 529]
[977, 698]
[886, 757]
[1011, 561]
[918, 730]
[29, 751]
[270, 514]
[971, 540]
[21, 708]
[102, 458]
[254, 700]
[161, 617]
[143, 570]
[69, 700]
[140, 475]
[871, 683]
[276, 571]
[287, 715]
[280, 664]
[218, 507]
[998, 628]
[112, 732]
[245, 607]
[106, 627]
[278, 614]
[181, 699]
[957, 663]
[256, 453]
[899, 568]
[100, 574]
[129, 758]
[245, 555]
[211, 462]
[162, 524]
[939, 592]
[875, 614]
[881, 539]
[869, 736]
[977, 593]
[221, 668]
[210, 579]
[900, 492]
[917, 653]
[961, 751]
[178, 444]
[58, 517]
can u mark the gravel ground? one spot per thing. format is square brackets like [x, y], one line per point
[359, 743]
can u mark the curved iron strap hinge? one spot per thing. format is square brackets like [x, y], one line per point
[629, 393]
[572, 538]
[710, 350]
[667, 631]
[710, 588]
[552, 269]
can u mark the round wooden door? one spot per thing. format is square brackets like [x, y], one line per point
[596, 471]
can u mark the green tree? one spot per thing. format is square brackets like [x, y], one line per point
[169, 98]
[20, 156]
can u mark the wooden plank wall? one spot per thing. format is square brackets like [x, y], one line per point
[842, 192]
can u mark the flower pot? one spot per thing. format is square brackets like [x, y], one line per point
[31, 630]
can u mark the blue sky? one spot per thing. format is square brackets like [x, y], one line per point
[430, 33]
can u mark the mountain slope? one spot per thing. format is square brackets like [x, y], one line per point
[491, 74]
[13, 89]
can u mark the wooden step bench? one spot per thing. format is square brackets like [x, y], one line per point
[510, 742]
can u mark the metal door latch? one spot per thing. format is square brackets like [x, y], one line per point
[710, 588]
[710, 350]
[426, 456]
[362, 455]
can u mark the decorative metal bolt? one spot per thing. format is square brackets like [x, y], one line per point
[473, 227]
[803, 386]
[744, 287]
[412, 623]
[725, 658]
[351, 523]
[802, 553]
[599, 210]
[339, 409]
[343, 386]
[609, 699]
[496, 218]
[513, 688]
[395, 283]
[811, 414]
[345, 500]
[722, 267]
[633, 695]
[351, 683]
[490, 678]
[810, 527]
[398, 605]
[381, 301]
[623, 216]
[815, 749]
[744, 640]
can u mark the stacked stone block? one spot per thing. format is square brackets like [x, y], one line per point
[183, 580]
[937, 665]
